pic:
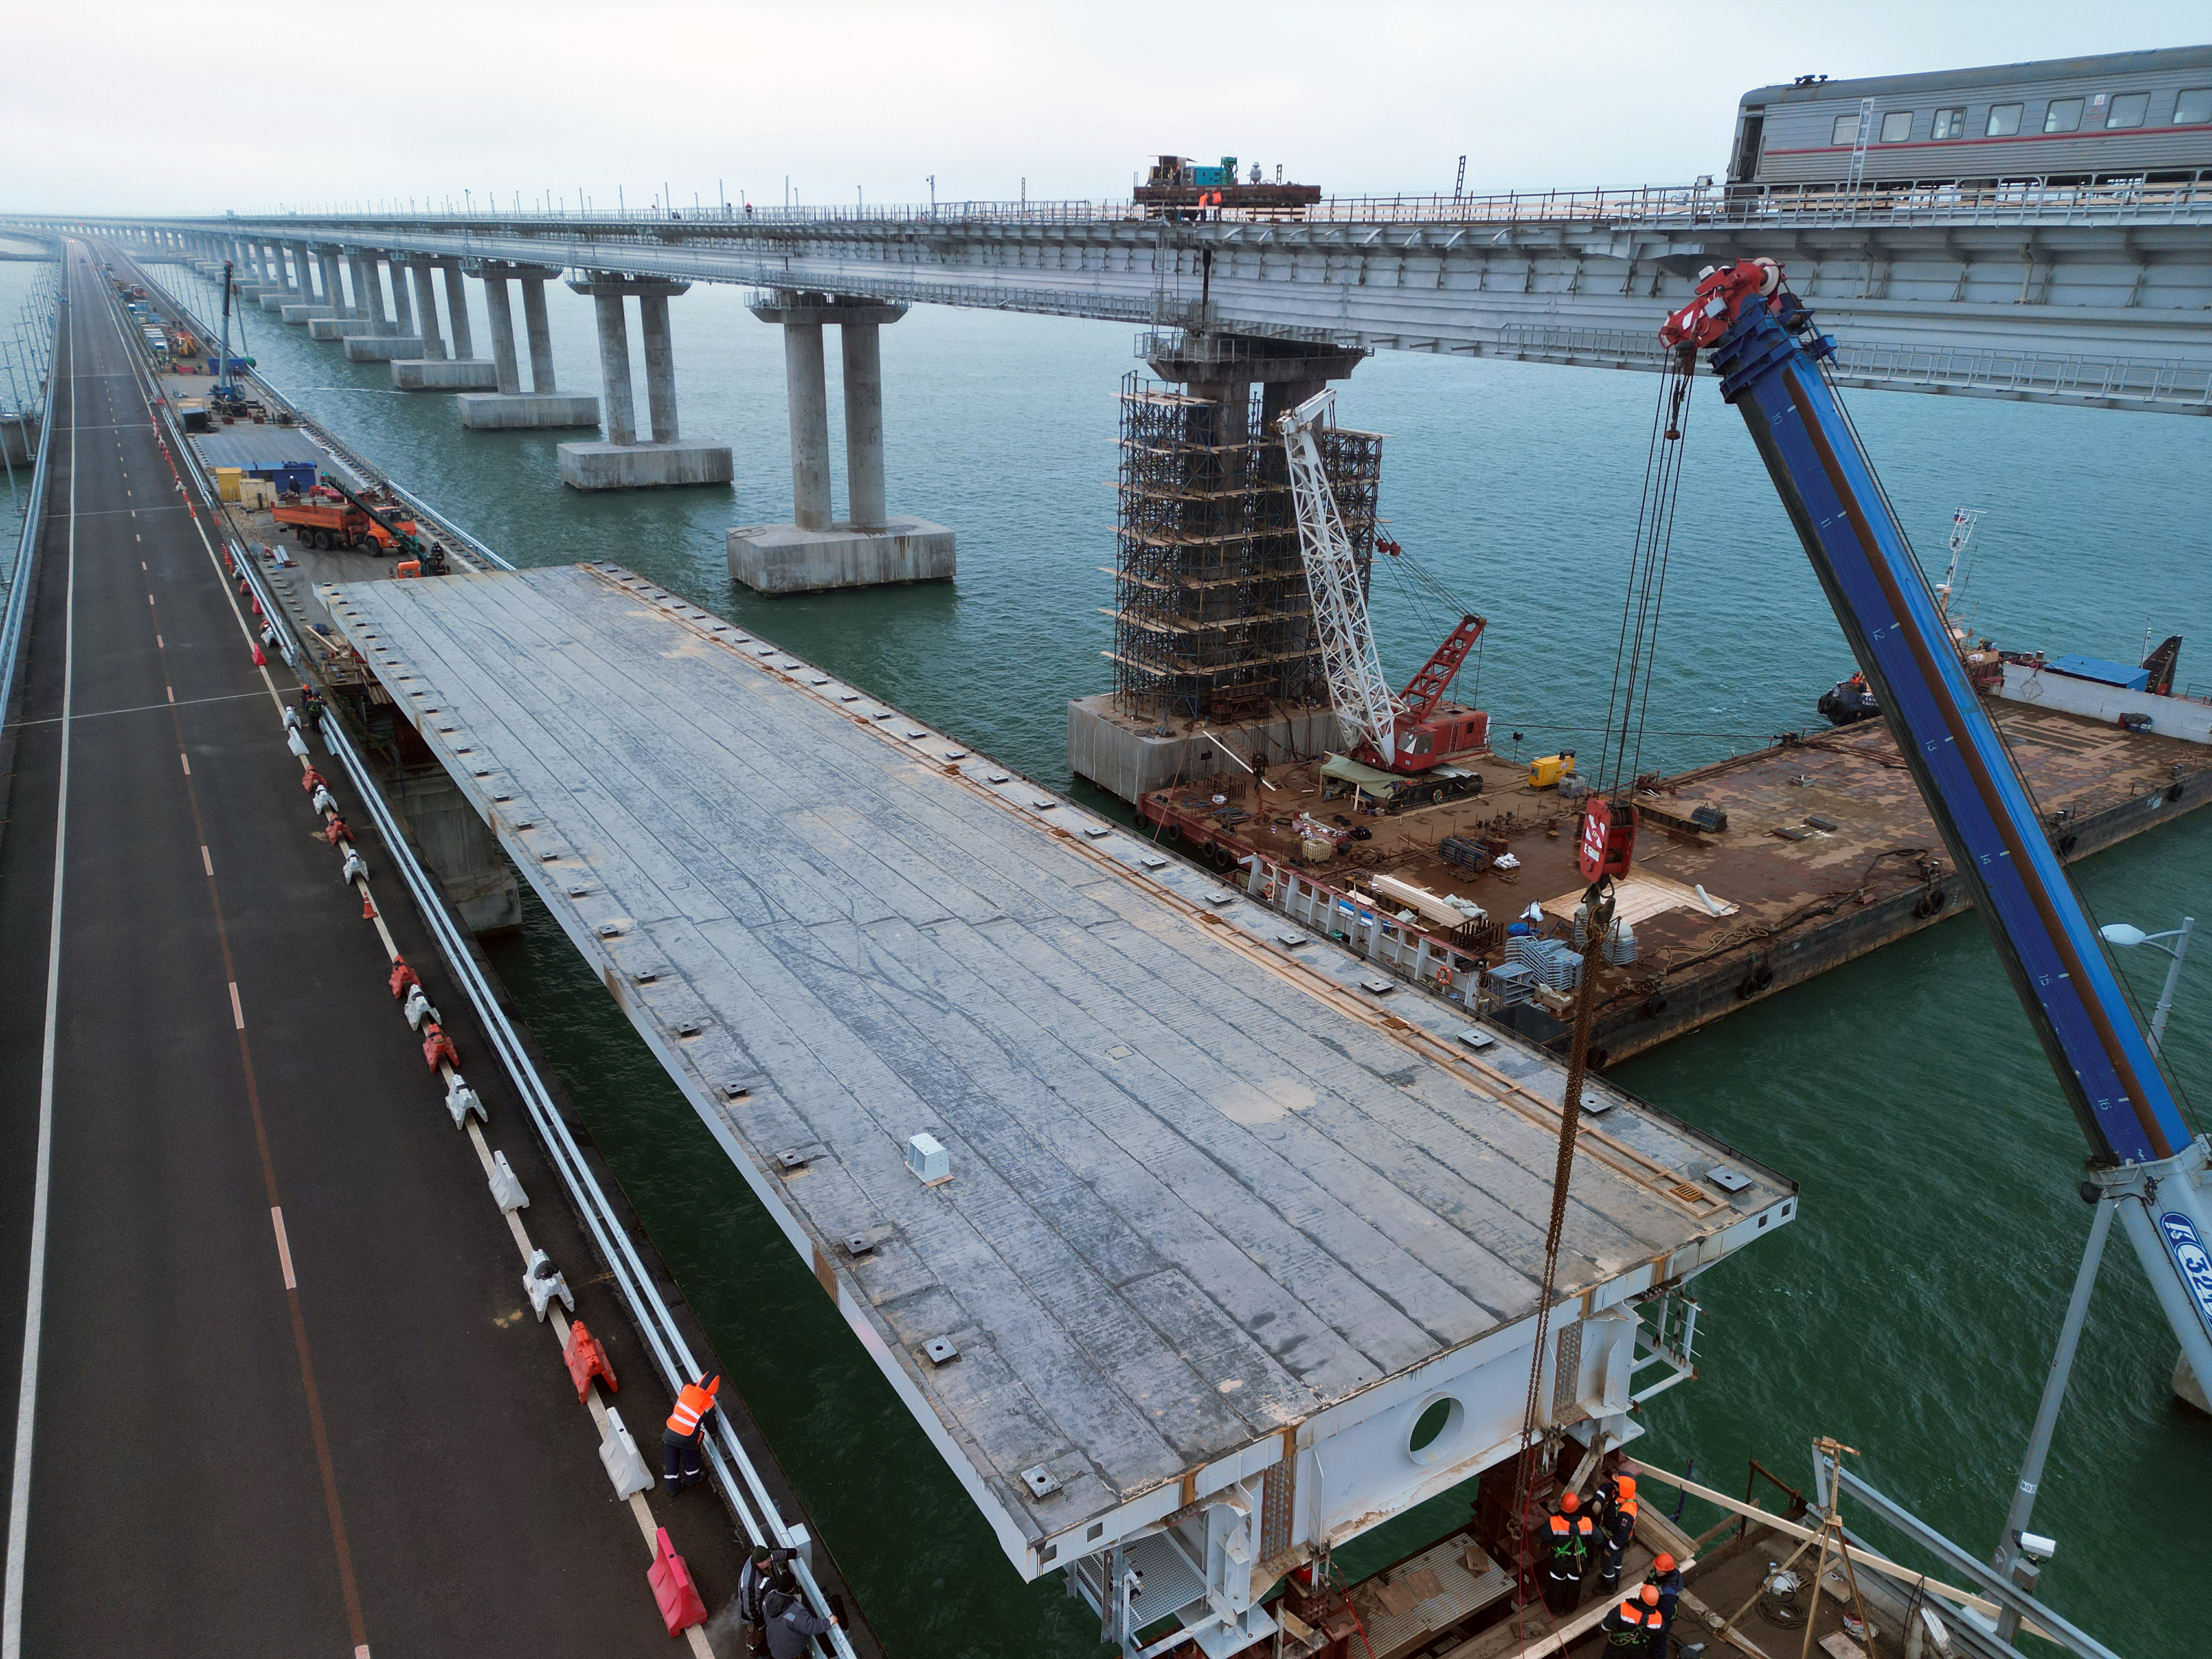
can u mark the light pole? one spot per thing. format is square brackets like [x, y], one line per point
[2127, 938]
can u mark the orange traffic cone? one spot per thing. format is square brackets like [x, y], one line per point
[368, 909]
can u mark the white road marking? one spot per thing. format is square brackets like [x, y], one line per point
[187, 760]
[172, 690]
[237, 1013]
[205, 859]
[283, 1244]
[35, 1300]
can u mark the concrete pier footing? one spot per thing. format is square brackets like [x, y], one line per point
[277, 299]
[644, 465]
[785, 558]
[338, 328]
[1129, 753]
[382, 348]
[460, 852]
[307, 313]
[443, 374]
[509, 411]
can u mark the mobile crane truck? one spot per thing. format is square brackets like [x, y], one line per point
[2143, 1161]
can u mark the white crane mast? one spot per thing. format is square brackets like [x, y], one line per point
[1363, 699]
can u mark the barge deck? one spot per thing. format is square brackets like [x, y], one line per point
[1827, 853]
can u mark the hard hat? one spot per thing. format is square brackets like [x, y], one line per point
[1570, 1504]
[1663, 1562]
[1651, 1595]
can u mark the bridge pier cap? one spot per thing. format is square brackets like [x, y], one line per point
[869, 548]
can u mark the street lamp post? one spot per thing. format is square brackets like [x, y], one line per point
[2127, 938]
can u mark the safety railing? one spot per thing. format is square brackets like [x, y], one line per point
[1361, 924]
[22, 574]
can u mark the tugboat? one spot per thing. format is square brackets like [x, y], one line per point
[1848, 702]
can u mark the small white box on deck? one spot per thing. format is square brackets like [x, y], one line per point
[927, 1156]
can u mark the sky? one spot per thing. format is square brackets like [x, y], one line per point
[132, 106]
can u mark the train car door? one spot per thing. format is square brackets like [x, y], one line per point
[1751, 132]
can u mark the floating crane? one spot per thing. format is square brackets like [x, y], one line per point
[2143, 1162]
[1409, 731]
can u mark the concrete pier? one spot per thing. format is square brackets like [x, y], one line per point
[356, 317]
[505, 406]
[620, 461]
[869, 547]
[393, 337]
[461, 853]
[432, 371]
[1129, 753]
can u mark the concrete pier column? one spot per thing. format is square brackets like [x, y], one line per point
[659, 367]
[503, 332]
[422, 276]
[492, 395]
[872, 548]
[302, 304]
[328, 320]
[540, 334]
[456, 308]
[860, 347]
[458, 848]
[368, 292]
[621, 461]
[805, 385]
[620, 420]
[402, 307]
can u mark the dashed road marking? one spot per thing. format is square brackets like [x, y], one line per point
[237, 1012]
[172, 690]
[187, 760]
[206, 862]
[284, 1255]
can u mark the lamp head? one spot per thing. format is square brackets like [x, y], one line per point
[2122, 934]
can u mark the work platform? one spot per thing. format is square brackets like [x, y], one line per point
[1224, 1223]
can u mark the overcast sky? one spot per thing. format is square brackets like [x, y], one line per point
[127, 105]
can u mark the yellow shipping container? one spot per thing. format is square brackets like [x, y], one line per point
[1545, 770]
[226, 481]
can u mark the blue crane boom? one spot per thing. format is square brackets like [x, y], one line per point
[1763, 344]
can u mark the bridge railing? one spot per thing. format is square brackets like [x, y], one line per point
[2121, 198]
[15, 610]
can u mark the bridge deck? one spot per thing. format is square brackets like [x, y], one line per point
[1201, 1189]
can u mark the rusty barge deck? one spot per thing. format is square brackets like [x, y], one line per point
[1828, 854]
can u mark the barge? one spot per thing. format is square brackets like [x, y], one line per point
[1752, 874]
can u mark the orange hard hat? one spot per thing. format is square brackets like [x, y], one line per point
[1663, 1562]
[1570, 1504]
[1651, 1595]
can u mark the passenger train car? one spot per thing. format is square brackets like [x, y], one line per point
[2129, 114]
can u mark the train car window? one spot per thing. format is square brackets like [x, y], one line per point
[2193, 108]
[2128, 109]
[2064, 115]
[1847, 129]
[1897, 126]
[1950, 123]
[2004, 120]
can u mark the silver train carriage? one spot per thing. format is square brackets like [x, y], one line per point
[2126, 114]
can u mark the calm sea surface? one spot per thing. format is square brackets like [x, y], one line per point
[1911, 1309]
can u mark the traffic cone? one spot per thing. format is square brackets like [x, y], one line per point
[259, 660]
[402, 977]
[368, 909]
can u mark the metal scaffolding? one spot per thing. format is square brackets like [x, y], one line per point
[1212, 616]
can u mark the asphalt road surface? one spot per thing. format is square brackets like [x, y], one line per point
[290, 1398]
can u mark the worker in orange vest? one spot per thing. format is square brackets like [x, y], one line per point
[1616, 1497]
[687, 1427]
[1572, 1535]
[1631, 1627]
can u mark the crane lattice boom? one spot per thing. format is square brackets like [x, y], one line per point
[1361, 696]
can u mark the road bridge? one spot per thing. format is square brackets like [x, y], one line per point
[2098, 294]
[281, 1388]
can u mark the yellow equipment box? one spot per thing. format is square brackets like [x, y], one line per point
[1545, 770]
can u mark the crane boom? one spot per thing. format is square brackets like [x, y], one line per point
[1764, 345]
[1361, 695]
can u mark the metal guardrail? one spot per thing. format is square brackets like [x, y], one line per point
[2118, 198]
[756, 1510]
[14, 620]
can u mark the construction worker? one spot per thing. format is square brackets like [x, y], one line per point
[311, 708]
[791, 1624]
[1662, 1587]
[1654, 1622]
[1572, 1535]
[686, 1428]
[1616, 1527]
[764, 1571]
[1628, 1633]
